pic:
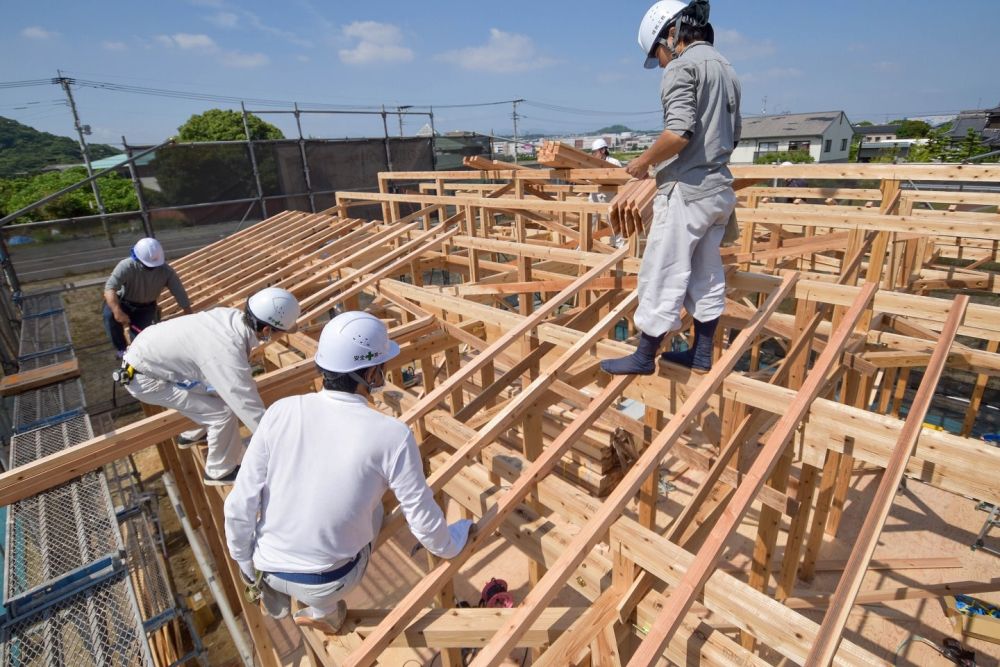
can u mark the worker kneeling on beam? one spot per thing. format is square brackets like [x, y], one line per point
[307, 505]
[681, 265]
[199, 365]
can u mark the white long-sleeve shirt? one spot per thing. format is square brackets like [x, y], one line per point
[312, 479]
[212, 347]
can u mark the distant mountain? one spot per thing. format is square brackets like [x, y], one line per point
[25, 150]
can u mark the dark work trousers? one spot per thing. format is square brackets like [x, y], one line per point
[141, 314]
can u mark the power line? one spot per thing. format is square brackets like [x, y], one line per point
[26, 83]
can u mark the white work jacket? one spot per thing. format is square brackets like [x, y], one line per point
[313, 478]
[211, 347]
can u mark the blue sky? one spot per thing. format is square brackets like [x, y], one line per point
[876, 60]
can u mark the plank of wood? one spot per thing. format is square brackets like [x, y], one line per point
[783, 629]
[39, 377]
[548, 587]
[683, 594]
[825, 647]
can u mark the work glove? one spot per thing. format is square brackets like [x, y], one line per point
[247, 572]
[459, 533]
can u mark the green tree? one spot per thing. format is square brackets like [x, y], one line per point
[225, 125]
[912, 129]
[117, 194]
[864, 123]
[777, 157]
[25, 150]
[192, 174]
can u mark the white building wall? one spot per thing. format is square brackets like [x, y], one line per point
[837, 133]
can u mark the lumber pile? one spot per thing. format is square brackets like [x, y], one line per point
[561, 156]
[486, 164]
[632, 207]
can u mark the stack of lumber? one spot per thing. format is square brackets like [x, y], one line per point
[561, 156]
[632, 207]
[486, 164]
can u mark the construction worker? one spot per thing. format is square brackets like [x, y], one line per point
[132, 289]
[681, 265]
[199, 365]
[307, 504]
[600, 149]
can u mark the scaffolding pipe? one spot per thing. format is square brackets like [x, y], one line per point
[198, 549]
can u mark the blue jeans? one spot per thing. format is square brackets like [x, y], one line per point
[142, 315]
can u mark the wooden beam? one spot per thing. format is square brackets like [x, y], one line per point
[684, 593]
[39, 377]
[825, 647]
[548, 587]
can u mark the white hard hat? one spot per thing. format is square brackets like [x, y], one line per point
[276, 307]
[653, 23]
[786, 163]
[352, 341]
[149, 252]
[598, 144]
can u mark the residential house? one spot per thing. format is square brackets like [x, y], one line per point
[876, 133]
[984, 122]
[825, 135]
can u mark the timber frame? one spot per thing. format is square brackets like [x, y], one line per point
[502, 289]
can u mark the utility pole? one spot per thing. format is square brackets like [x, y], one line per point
[81, 131]
[399, 112]
[515, 116]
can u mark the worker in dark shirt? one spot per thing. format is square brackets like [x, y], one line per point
[132, 289]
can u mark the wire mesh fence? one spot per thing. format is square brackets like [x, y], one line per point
[57, 531]
[47, 405]
[98, 627]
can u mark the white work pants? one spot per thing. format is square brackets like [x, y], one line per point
[681, 265]
[225, 447]
[322, 599]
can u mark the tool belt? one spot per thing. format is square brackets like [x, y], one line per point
[124, 375]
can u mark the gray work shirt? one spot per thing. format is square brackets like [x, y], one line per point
[701, 99]
[134, 282]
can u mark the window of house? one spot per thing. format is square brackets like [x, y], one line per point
[798, 145]
[767, 146]
[827, 145]
[843, 144]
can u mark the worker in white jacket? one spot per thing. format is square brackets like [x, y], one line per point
[199, 365]
[307, 504]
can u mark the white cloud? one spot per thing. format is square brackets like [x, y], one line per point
[241, 60]
[377, 42]
[204, 44]
[188, 42]
[736, 46]
[303, 58]
[224, 19]
[114, 46]
[504, 53]
[887, 67]
[772, 74]
[36, 32]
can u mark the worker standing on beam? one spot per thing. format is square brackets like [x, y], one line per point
[307, 505]
[199, 365]
[131, 291]
[681, 265]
